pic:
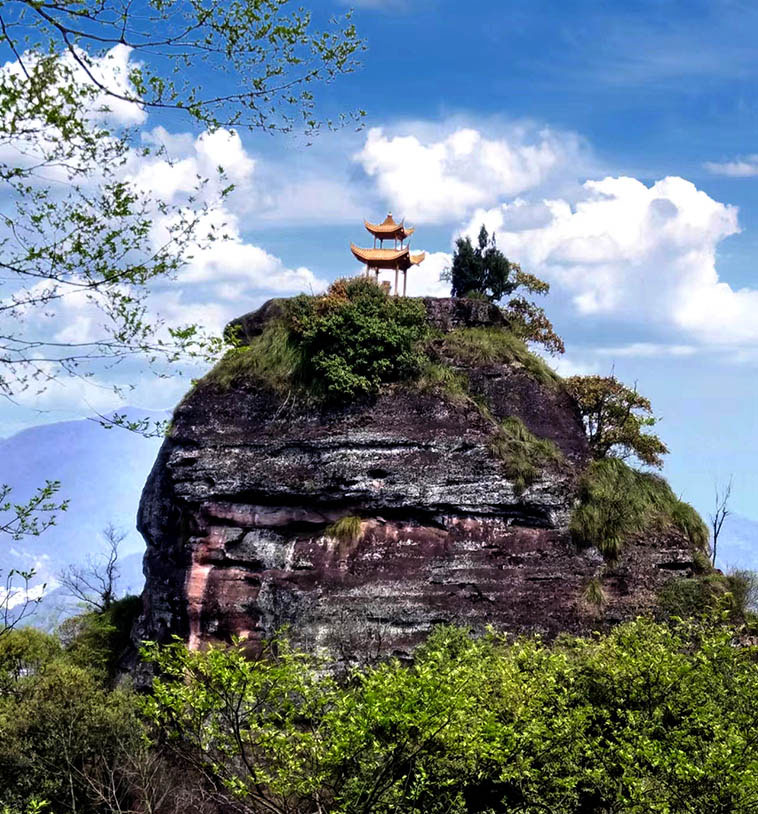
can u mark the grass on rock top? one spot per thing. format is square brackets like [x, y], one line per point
[493, 346]
[272, 358]
[347, 343]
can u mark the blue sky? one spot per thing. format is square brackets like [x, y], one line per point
[502, 112]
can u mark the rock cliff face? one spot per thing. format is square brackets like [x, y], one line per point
[237, 510]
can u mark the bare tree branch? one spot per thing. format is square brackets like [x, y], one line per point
[721, 511]
[95, 583]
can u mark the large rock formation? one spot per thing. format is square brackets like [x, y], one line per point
[237, 509]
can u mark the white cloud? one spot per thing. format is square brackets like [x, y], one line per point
[740, 168]
[424, 279]
[19, 596]
[647, 349]
[644, 254]
[112, 70]
[438, 177]
[568, 365]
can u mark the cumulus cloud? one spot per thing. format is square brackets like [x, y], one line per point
[112, 70]
[220, 275]
[437, 178]
[631, 251]
[424, 279]
[740, 168]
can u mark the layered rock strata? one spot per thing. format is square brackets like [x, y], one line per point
[237, 511]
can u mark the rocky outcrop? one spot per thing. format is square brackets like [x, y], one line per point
[237, 510]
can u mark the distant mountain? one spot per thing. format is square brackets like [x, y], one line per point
[738, 543]
[102, 473]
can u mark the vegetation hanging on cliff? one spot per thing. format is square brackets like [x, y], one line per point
[271, 357]
[492, 346]
[617, 501]
[345, 530]
[524, 455]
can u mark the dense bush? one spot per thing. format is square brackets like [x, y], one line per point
[616, 501]
[356, 337]
[62, 731]
[633, 722]
[340, 346]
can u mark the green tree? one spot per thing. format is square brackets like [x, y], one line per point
[74, 227]
[484, 272]
[616, 418]
[77, 227]
[481, 270]
[62, 734]
[634, 721]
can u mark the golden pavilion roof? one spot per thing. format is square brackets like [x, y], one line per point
[389, 228]
[387, 258]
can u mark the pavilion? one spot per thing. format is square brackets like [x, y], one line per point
[397, 259]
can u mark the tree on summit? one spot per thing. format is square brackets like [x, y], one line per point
[484, 272]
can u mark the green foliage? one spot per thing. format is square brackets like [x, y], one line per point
[25, 652]
[357, 337]
[256, 725]
[338, 347]
[524, 455]
[530, 323]
[268, 53]
[700, 596]
[437, 377]
[96, 641]
[273, 358]
[594, 594]
[345, 530]
[632, 722]
[493, 346]
[61, 731]
[342, 346]
[616, 418]
[742, 585]
[483, 272]
[616, 501]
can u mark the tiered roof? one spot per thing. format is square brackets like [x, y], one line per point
[388, 229]
[400, 259]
